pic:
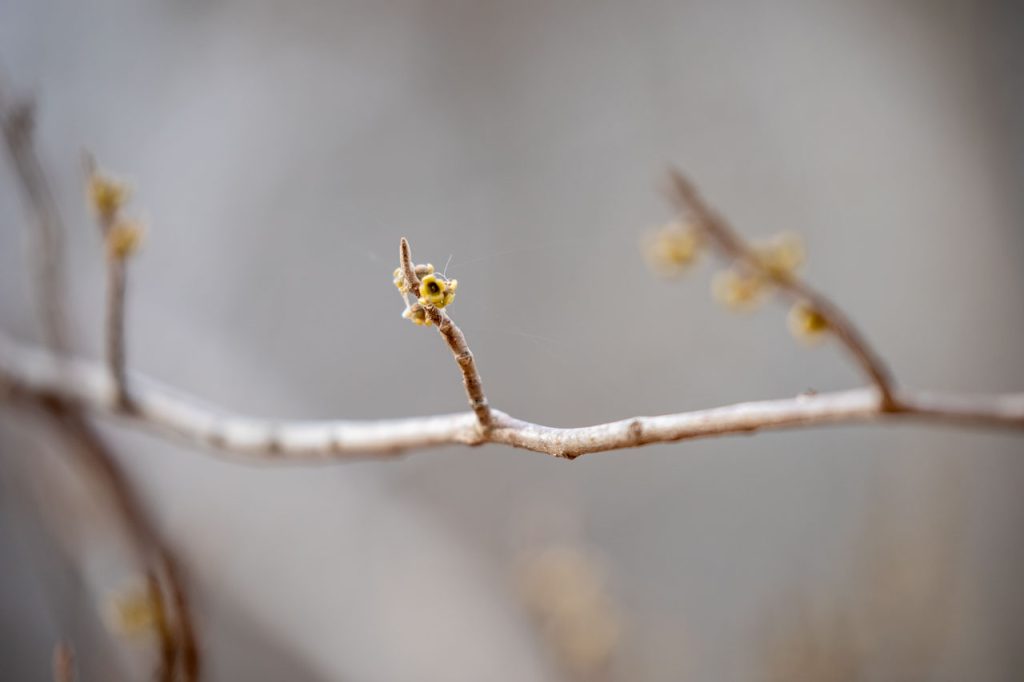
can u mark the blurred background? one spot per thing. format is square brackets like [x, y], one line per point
[278, 152]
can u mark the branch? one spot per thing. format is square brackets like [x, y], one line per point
[177, 637]
[456, 341]
[121, 237]
[18, 123]
[732, 246]
[31, 375]
[63, 662]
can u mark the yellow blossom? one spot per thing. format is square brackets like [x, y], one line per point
[107, 195]
[673, 248]
[124, 237]
[417, 315]
[783, 255]
[739, 290]
[133, 613]
[437, 291]
[807, 323]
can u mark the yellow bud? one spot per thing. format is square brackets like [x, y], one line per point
[673, 248]
[124, 238]
[417, 315]
[783, 255]
[106, 195]
[133, 613]
[807, 323]
[400, 281]
[739, 290]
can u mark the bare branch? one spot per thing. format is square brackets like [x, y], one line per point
[63, 663]
[18, 123]
[115, 332]
[178, 639]
[732, 246]
[120, 238]
[32, 375]
[456, 341]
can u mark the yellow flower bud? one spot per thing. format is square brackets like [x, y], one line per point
[807, 323]
[106, 195]
[783, 255]
[124, 238]
[417, 315]
[739, 290]
[133, 613]
[437, 291]
[673, 248]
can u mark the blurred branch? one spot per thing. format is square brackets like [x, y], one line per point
[17, 119]
[732, 246]
[63, 663]
[177, 638]
[32, 375]
[177, 641]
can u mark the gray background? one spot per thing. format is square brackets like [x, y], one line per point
[279, 150]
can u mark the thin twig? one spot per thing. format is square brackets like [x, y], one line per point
[115, 332]
[117, 272]
[733, 246]
[63, 663]
[18, 123]
[456, 341]
[176, 639]
[32, 375]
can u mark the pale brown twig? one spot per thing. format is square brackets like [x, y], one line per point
[456, 341]
[63, 663]
[114, 322]
[115, 332]
[18, 123]
[734, 247]
[31, 375]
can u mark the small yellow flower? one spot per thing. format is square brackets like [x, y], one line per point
[673, 248]
[739, 290]
[417, 314]
[437, 291]
[807, 323]
[124, 238]
[133, 613]
[107, 195]
[783, 255]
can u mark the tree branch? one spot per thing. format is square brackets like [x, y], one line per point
[18, 123]
[177, 636]
[32, 375]
[732, 246]
[456, 341]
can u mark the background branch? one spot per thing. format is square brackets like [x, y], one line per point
[178, 636]
[732, 246]
[17, 120]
